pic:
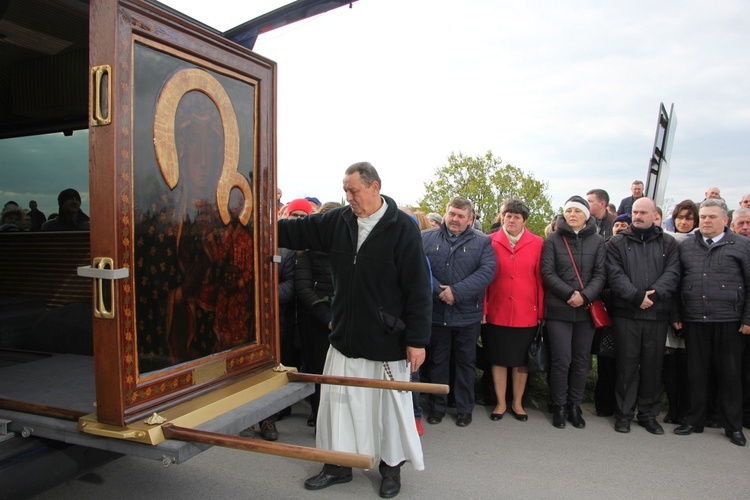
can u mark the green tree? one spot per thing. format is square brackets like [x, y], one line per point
[487, 183]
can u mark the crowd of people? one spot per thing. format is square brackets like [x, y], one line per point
[674, 285]
[70, 217]
[375, 290]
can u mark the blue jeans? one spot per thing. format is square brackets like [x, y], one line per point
[415, 397]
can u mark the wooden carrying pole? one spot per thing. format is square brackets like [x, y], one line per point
[172, 431]
[369, 382]
[43, 410]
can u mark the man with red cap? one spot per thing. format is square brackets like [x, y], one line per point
[298, 208]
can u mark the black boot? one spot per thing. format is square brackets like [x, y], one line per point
[574, 415]
[558, 416]
[391, 483]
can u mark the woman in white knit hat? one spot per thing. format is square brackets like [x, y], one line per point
[569, 326]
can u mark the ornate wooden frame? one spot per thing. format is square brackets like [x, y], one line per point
[124, 392]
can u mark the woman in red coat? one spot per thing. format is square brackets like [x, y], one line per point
[514, 305]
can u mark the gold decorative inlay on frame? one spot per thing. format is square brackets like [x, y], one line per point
[182, 82]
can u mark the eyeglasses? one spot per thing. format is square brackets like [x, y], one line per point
[296, 215]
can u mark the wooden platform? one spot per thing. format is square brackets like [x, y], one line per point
[67, 381]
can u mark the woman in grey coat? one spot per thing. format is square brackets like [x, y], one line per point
[569, 326]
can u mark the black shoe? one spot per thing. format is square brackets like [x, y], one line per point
[670, 419]
[435, 417]
[463, 419]
[686, 430]
[389, 487]
[736, 437]
[268, 430]
[604, 413]
[558, 417]
[324, 480]
[622, 425]
[391, 483]
[497, 416]
[574, 415]
[521, 417]
[311, 420]
[652, 426]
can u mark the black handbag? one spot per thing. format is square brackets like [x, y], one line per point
[537, 354]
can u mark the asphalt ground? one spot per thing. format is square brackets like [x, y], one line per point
[486, 460]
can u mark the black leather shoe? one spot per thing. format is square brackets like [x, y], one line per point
[497, 416]
[622, 425]
[324, 480]
[652, 426]
[558, 417]
[389, 487]
[686, 430]
[463, 419]
[736, 437]
[435, 417]
[574, 415]
[391, 483]
[670, 419]
[521, 417]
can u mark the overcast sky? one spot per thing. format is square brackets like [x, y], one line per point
[568, 91]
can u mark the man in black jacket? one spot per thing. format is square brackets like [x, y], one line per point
[381, 315]
[626, 205]
[598, 200]
[715, 317]
[741, 225]
[644, 272]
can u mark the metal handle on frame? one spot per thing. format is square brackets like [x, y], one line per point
[103, 269]
[101, 92]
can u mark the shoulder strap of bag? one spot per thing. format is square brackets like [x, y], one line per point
[575, 268]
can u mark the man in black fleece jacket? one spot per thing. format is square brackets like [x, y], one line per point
[381, 317]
